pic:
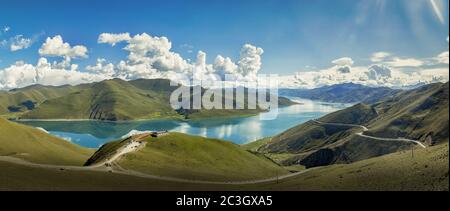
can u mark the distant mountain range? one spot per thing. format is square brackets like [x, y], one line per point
[111, 100]
[420, 114]
[342, 93]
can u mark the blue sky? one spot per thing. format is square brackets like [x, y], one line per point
[296, 35]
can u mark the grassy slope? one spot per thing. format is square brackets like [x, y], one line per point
[358, 114]
[37, 146]
[106, 151]
[229, 113]
[163, 86]
[300, 142]
[107, 100]
[415, 114]
[306, 137]
[37, 94]
[18, 177]
[255, 145]
[282, 102]
[183, 156]
[311, 136]
[428, 170]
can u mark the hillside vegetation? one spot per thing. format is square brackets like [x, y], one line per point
[312, 136]
[37, 146]
[419, 114]
[191, 157]
[427, 170]
[18, 101]
[111, 100]
[108, 100]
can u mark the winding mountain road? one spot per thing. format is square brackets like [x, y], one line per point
[361, 134]
[134, 145]
[105, 169]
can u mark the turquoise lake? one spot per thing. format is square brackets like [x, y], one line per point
[239, 130]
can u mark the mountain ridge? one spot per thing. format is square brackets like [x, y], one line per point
[419, 114]
[342, 93]
[111, 100]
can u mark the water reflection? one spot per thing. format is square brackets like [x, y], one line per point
[238, 130]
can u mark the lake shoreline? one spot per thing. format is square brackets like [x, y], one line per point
[238, 129]
[136, 120]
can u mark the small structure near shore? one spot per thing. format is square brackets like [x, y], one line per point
[156, 133]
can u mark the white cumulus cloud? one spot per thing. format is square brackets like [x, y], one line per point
[22, 74]
[113, 39]
[57, 47]
[155, 52]
[151, 56]
[373, 75]
[102, 68]
[443, 58]
[224, 66]
[250, 60]
[18, 42]
[377, 72]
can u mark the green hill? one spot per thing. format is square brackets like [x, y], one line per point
[108, 100]
[191, 157]
[358, 114]
[205, 113]
[37, 146]
[427, 170]
[419, 114]
[111, 100]
[312, 136]
[17, 101]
